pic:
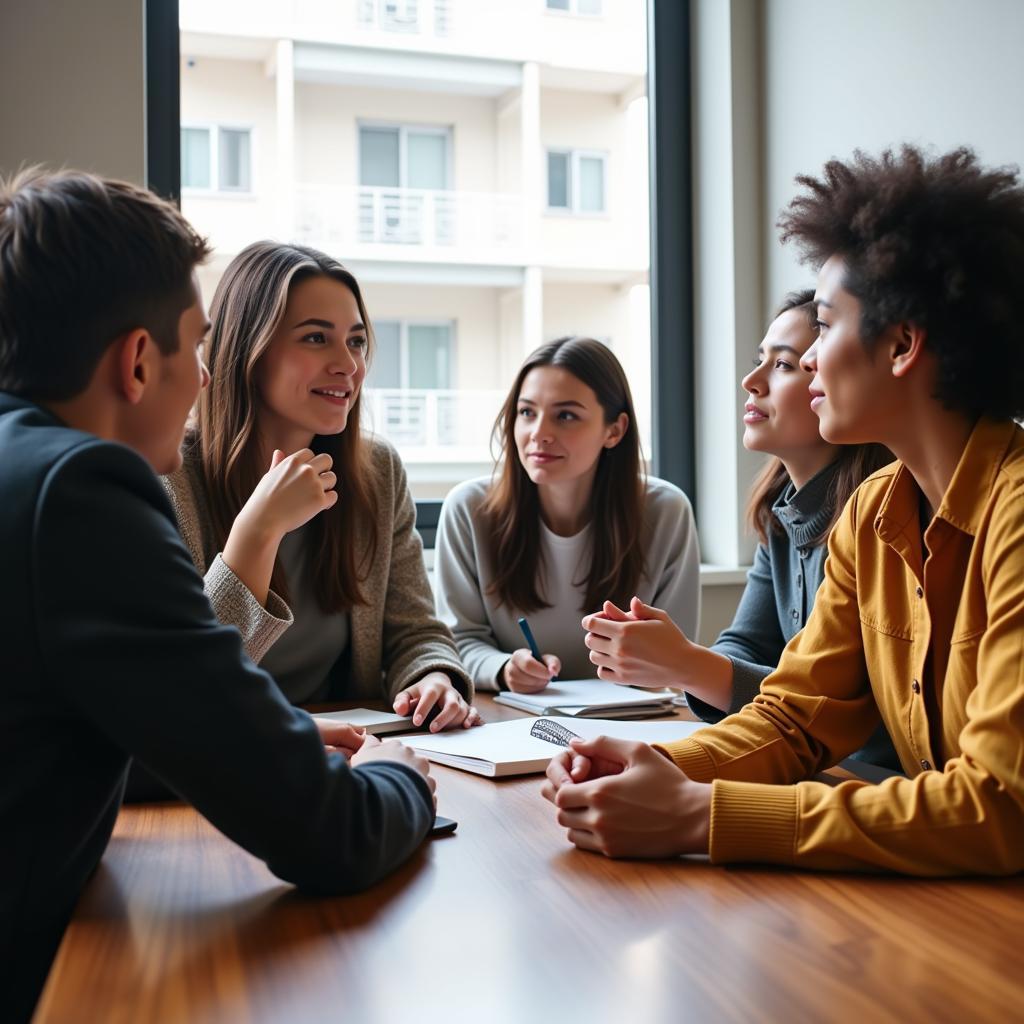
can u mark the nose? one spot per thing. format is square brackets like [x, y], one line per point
[541, 432]
[809, 360]
[343, 361]
[754, 382]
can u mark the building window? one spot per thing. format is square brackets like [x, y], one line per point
[591, 8]
[404, 178]
[228, 162]
[411, 354]
[576, 181]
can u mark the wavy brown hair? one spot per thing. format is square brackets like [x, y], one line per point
[855, 462]
[247, 309]
[512, 506]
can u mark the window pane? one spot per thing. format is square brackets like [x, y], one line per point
[588, 6]
[234, 159]
[558, 5]
[591, 184]
[558, 180]
[429, 356]
[386, 371]
[378, 157]
[195, 158]
[427, 155]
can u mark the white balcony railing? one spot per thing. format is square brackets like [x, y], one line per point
[326, 215]
[446, 425]
[420, 16]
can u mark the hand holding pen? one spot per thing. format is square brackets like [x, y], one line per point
[527, 670]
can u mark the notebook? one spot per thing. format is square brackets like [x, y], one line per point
[376, 723]
[590, 698]
[499, 749]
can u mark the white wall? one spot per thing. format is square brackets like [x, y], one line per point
[873, 73]
[72, 77]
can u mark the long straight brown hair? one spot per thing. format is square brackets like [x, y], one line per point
[247, 309]
[512, 506]
[854, 462]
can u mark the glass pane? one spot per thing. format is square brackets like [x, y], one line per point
[588, 6]
[558, 5]
[234, 159]
[378, 157]
[591, 184]
[195, 158]
[429, 356]
[558, 180]
[427, 155]
[386, 370]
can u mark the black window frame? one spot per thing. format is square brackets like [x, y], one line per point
[669, 41]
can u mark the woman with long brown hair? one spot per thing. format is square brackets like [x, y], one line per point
[301, 523]
[568, 520]
[794, 503]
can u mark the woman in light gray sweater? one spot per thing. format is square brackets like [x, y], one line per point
[568, 521]
[793, 506]
[302, 526]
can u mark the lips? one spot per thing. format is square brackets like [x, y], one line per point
[817, 397]
[336, 396]
[542, 458]
[752, 414]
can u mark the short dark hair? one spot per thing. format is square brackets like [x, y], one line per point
[934, 241]
[803, 301]
[84, 259]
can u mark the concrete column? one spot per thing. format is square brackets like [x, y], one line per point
[533, 308]
[284, 74]
[532, 155]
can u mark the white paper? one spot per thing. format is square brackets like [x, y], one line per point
[377, 723]
[581, 695]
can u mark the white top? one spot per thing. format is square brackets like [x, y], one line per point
[487, 632]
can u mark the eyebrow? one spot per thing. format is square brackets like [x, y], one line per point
[778, 348]
[314, 322]
[557, 405]
[822, 302]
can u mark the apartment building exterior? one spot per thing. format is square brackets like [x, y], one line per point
[480, 165]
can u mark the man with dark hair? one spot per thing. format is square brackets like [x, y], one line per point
[920, 619]
[110, 647]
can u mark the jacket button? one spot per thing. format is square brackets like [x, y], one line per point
[920, 592]
[795, 614]
[926, 766]
[915, 686]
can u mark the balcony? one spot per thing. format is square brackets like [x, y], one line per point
[327, 216]
[435, 426]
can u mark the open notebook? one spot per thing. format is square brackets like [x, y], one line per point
[590, 698]
[507, 748]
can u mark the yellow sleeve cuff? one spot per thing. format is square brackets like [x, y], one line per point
[753, 822]
[690, 758]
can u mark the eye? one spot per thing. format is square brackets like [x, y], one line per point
[781, 364]
[821, 325]
[524, 411]
[316, 337]
[357, 342]
[566, 415]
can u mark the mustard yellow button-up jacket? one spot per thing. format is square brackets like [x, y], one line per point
[926, 631]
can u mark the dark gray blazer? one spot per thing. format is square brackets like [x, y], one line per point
[110, 650]
[777, 601]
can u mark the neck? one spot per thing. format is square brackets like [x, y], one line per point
[87, 413]
[805, 465]
[565, 507]
[930, 445]
[277, 434]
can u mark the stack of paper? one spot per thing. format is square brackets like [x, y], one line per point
[590, 698]
[376, 723]
[507, 748]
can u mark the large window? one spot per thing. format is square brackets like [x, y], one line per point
[412, 355]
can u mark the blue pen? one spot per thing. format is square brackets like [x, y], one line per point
[534, 649]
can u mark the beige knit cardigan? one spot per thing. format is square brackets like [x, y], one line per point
[394, 639]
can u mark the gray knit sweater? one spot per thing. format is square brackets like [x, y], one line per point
[395, 639]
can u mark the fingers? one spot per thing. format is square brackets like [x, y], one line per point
[453, 711]
[614, 612]
[472, 719]
[616, 751]
[598, 625]
[403, 703]
[428, 697]
[276, 458]
[525, 674]
[580, 770]
[584, 840]
[646, 611]
[553, 663]
[558, 772]
[596, 642]
[340, 734]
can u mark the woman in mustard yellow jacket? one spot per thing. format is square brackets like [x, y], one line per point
[919, 622]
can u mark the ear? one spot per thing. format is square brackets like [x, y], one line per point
[617, 430]
[906, 347]
[133, 364]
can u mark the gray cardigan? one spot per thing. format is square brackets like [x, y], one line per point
[777, 601]
[395, 639]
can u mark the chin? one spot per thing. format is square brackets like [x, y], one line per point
[752, 442]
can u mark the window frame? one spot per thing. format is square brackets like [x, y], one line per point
[404, 323]
[403, 128]
[573, 10]
[575, 155]
[215, 190]
[669, 41]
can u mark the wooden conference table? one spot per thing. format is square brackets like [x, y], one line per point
[505, 922]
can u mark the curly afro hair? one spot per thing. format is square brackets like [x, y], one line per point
[938, 242]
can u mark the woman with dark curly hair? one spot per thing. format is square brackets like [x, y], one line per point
[919, 622]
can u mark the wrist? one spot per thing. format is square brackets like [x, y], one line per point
[250, 537]
[694, 834]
